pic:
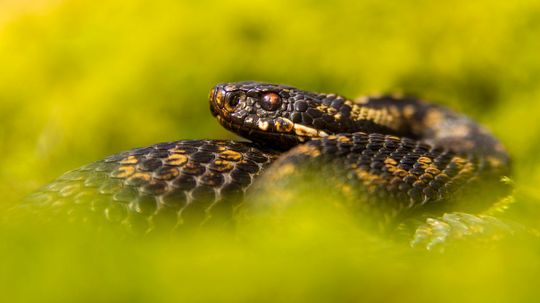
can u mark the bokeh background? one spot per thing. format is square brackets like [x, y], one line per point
[80, 80]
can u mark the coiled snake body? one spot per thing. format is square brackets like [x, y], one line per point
[404, 151]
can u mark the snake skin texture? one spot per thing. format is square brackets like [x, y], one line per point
[394, 153]
[175, 183]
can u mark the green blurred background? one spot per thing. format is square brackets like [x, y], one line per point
[80, 80]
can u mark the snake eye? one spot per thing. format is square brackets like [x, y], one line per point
[233, 100]
[270, 101]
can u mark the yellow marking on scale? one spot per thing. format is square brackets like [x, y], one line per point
[230, 155]
[125, 171]
[307, 150]
[176, 159]
[129, 160]
[263, 125]
[284, 125]
[141, 175]
[303, 130]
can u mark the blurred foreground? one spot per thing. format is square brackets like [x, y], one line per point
[311, 253]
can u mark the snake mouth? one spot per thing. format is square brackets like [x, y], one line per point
[267, 134]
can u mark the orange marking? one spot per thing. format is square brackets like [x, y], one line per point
[369, 180]
[284, 125]
[141, 175]
[400, 173]
[494, 162]
[219, 98]
[171, 173]
[344, 139]
[390, 161]
[433, 170]
[433, 117]
[222, 165]
[408, 111]
[230, 155]
[124, 171]
[424, 160]
[308, 150]
[176, 159]
[129, 160]
[418, 183]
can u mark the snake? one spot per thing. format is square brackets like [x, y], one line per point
[393, 152]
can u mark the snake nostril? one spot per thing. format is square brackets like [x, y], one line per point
[233, 100]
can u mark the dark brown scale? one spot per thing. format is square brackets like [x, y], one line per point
[150, 164]
[158, 153]
[154, 188]
[184, 149]
[300, 106]
[241, 177]
[232, 189]
[212, 179]
[211, 147]
[296, 117]
[221, 166]
[166, 173]
[185, 182]
[202, 157]
[193, 168]
[138, 151]
[110, 187]
[106, 167]
[306, 119]
[137, 180]
[146, 204]
[204, 192]
[175, 198]
[126, 194]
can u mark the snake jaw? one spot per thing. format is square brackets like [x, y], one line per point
[281, 130]
[304, 131]
[285, 126]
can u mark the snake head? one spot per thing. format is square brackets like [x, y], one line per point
[270, 114]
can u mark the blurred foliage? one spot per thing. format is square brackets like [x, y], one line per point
[80, 80]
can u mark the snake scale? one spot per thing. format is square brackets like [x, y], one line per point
[395, 152]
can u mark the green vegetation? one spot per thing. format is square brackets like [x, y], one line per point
[80, 80]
